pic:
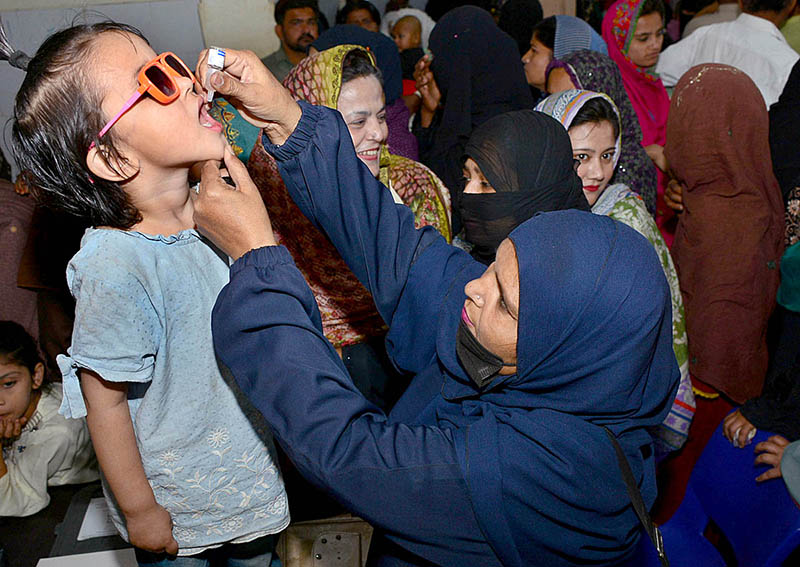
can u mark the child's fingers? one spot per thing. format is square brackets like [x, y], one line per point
[774, 472]
[779, 440]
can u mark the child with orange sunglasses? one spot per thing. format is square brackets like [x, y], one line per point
[109, 130]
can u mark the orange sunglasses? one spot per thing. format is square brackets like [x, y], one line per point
[157, 78]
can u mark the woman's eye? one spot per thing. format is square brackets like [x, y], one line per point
[382, 117]
[580, 157]
[608, 156]
[9, 384]
[357, 123]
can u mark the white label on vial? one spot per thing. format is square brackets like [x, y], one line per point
[216, 61]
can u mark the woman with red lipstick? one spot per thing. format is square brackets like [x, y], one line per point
[634, 32]
[593, 124]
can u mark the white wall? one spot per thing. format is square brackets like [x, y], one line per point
[169, 25]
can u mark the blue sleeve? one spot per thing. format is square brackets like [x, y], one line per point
[375, 236]
[405, 480]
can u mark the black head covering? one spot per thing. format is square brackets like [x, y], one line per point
[478, 71]
[518, 18]
[527, 158]
[784, 134]
[438, 8]
[385, 50]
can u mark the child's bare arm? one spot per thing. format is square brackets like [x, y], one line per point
[109, 420]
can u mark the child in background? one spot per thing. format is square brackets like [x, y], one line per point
[109, 130]
[407, 33]
[40, 447]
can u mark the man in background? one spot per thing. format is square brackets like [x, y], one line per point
[752, 43]
[297, 26]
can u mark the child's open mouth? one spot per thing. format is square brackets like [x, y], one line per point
[206, 121]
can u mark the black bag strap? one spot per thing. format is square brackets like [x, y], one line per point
[637, 500]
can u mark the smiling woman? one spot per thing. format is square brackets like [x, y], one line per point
[345, 78]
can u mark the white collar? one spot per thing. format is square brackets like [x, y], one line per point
[760, 24]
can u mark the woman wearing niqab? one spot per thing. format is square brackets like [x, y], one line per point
[479, 75]
[527, 158]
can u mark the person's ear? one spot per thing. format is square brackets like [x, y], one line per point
[38, 375]
[279, 31]
[106, 167]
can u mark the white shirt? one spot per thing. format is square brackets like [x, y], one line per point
[749, 43]
[50, 451]
[725, 13]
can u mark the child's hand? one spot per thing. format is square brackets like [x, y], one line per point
[673, 195]
[737, 428]
[234, 218]
[770, 453]
[11, 428]
[254, 91]
[151, 530]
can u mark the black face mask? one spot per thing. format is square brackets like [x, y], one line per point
[488, 220]
[481, 364]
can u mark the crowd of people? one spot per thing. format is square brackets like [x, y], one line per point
[459, 269]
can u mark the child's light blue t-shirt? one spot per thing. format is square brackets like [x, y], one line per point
[143, 316]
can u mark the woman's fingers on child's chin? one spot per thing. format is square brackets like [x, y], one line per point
[238, 171]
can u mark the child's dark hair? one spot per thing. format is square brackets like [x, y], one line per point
[17, 346]
[57, 116]
[357, 63]
[596, 110]
[545, 32]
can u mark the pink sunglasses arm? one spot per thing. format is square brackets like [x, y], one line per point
[126, 107]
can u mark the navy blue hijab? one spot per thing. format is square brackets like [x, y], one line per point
[594, 349]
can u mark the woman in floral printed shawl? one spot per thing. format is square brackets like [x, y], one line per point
[629, 46]
[593, 123]
[593, 71]
[349, 319]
